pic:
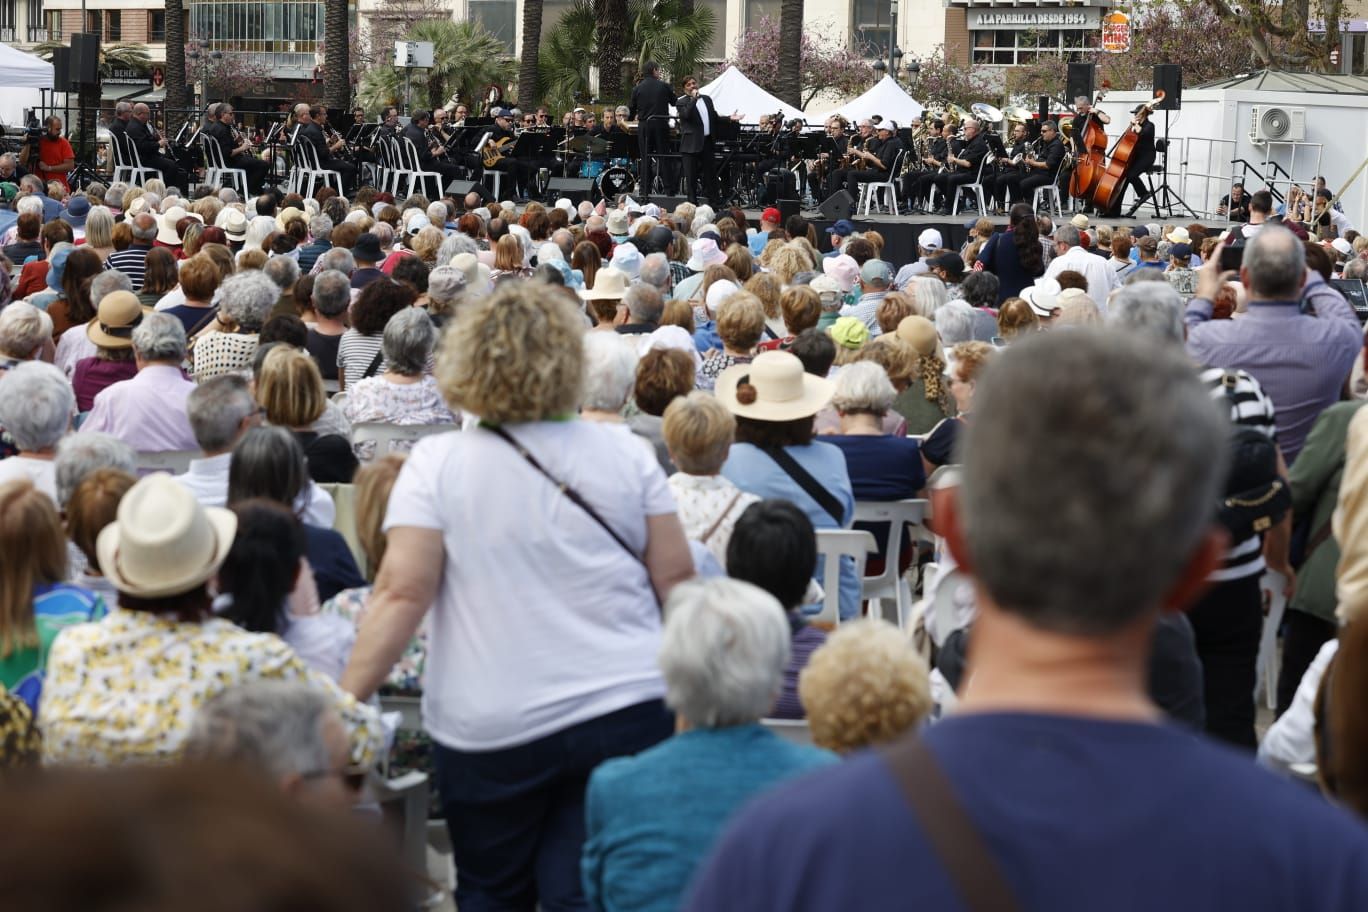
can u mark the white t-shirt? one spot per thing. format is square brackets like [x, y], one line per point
[541, 621]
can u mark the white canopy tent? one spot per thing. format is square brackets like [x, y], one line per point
[733, 92]
[21, 77]
[886, 98]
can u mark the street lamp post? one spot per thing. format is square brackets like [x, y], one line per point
[202, 55]
[892, 37]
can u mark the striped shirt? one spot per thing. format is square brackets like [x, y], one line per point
[1250, 407]
[356, 353]
[132, 262]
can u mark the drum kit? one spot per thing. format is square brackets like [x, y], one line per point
[611, 176]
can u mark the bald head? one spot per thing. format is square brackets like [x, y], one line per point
[141, 110]
[144, 227]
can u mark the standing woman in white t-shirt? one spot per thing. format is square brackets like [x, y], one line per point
[544, 624]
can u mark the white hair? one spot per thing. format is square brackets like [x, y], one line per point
[610, 364]
[1148, 308]
[723, 651]
[955, 322]
[247, 298]
[928, 295]
[80, 454]
[160, 337]
[258, 229]
[23, 328]
[863, 387]
[32, 204]
[36, 404]
[276, 727]
[437, 213]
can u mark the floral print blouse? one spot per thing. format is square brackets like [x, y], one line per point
[406, 677]
[126, 689]
[377, 399]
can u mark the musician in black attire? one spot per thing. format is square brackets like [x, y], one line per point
[417, 133]
[774, 153]
[235, 149]
[651, 100]
[916, 185]
[888, 147]
[311, 133]
[123, 113]
[697, 142]
[864, 141]
[966, 166]
[149, 144]
[1008, 171]
[1077, 126]
[502, 132]
[1140, 161]
[1040, 168]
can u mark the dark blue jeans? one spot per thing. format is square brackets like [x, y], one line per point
[516, 816]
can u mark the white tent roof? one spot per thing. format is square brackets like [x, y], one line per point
[886, 99]
[20, 70]
[733, 92]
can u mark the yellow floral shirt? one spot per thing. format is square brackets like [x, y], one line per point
[126, 689]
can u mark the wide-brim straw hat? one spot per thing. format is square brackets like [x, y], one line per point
[609, 283]
[163, 541]
[118, 314]
[773, 387]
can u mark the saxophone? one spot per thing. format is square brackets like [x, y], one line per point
[921, 149]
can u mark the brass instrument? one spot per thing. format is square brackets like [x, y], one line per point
[1016, 114]
[985, 113]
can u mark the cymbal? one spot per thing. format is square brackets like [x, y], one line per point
[587, 145]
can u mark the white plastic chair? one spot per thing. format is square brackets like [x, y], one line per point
[385, 435]
[891, 584]
[832, 545]
[132, 167]
[309, 171]
[216, 170]
[177, 462]
[795, 731]
[1272, 584]
[886, 189]
[976, 188]
[1049, 192]
[413, 170]
[404, 799]
[488, 174]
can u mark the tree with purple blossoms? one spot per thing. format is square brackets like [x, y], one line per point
[823, 65]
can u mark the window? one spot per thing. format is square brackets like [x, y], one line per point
[37, 29]
[156, 26]
[114, 26]
[757, 10]
[9, 16]
[283, 36]
[92, 22]
[871, 26]
[500, 17]
[1007, 47]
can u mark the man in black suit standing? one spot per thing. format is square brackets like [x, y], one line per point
[697, 141]
[651, 100]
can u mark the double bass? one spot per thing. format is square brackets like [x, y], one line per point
[1091, 154]
[1112, 185]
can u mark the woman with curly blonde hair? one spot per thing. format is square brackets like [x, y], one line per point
[768, 289]
[926, 401]
[866, 685]
[539, 574]
[788, 261]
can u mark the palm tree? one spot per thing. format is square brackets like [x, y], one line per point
[529, 92]
[177, 89]
[790, 87]
[612, 45]
[466, 58]
[337, 55]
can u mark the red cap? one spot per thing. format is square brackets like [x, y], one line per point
[771, 215]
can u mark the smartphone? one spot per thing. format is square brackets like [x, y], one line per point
[1231, 257]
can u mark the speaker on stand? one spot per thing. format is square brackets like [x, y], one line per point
[1168, 78]
[1079, 82]
[83, 70]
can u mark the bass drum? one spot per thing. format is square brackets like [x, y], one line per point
[616, 181]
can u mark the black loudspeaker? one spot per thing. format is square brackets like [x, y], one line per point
[576, 189]
[788, 208]
[670, 204]
[61, 69]
[1168, 77]
[458, 189]
[85, 58]
[1080, 81]
[840, 205]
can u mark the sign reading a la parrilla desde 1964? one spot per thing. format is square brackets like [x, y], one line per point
[1085, 18]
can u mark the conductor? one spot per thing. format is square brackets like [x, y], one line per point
[651, 100]
[697, 141]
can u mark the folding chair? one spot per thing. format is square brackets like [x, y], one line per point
[890, 584]
[177, 462]
[385, 435]
[832, 545]
[216, 169]
[888, 189]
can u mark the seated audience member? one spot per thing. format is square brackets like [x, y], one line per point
[405, 394]
[865, 686]
[112, 334]
[644, 305]
[288, 732]
[801, 308]
[968, 360]
[263, 569]
[245, 302]
[1026, 731]
[927, 401]
[199, 281]
[290, 391]
[269, 463]
[80, 454]
[331, 298]
[881, 466]
[36, 602]
[160, 277]
[93, 505]
[36, 408]
[698, 432]
[609, 374]
[776, 453]
[148, 411]
[651, 818]
[360, 351]
[662, 375]
[774, 546]
[740, 323]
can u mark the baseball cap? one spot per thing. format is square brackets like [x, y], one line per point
[930, 239]
[843, 227]
[949, 261]
[843, 269]
[878, 272]
[1181, 251]
[771, 215]
[1343, 246]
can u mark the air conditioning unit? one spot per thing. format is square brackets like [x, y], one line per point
[1275, 123]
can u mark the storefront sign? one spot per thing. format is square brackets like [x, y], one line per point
[1116, 33]
[1082, 18]
[125, 77]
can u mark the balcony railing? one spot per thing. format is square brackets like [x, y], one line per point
[37, 35]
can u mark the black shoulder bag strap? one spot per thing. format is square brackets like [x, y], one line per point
[374, 365]
[955, 840]
[825, 499]
[572, 494]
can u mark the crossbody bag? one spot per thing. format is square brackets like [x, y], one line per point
[825, 499]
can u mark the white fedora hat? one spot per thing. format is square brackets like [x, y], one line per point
[773, 387]
[163, 542]
[609, 283]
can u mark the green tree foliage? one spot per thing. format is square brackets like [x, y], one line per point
[466, 58]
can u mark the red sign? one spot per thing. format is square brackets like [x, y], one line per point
[158, 77]
[1116, 33]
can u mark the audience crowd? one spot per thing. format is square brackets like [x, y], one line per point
[593, 483]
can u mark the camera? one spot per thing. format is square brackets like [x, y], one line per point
[33, 131]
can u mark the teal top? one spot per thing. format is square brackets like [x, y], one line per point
[651, 819]
[56, 606]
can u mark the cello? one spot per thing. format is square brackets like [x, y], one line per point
[1112, 185]
[1091, 158]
